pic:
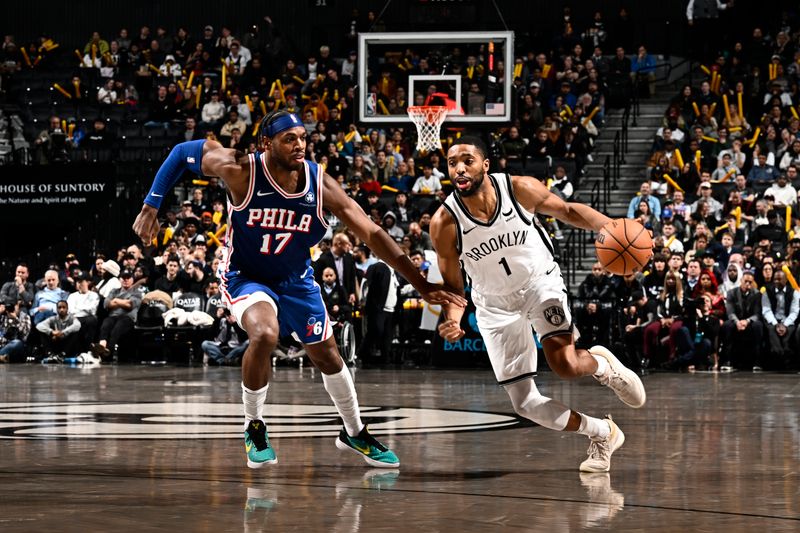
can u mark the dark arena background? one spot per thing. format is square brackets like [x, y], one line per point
[683, 116]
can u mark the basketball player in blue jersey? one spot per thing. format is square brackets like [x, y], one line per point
[488, 227]
[276, 202]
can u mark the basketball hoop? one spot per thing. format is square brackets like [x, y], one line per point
[428, 119]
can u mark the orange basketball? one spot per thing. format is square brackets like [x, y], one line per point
[623, 246]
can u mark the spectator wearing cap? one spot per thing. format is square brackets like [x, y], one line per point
[45, 301]
[213, 112]
[363, 258]
[191, 228]
[83, 304]
[783, 193]
[122, 305]
[109, 271]
[207, 223]
[561, 184]
[714, 206]
[762, 172]
[565, 92]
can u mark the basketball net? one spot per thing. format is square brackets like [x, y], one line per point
[428, 119]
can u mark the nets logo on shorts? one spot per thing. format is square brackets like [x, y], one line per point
[555, 315]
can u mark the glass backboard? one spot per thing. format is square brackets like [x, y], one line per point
[468, 71]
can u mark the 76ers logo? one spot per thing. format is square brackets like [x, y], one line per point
[313, 327]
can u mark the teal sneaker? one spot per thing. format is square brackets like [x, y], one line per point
[366, 446]
[256, 444]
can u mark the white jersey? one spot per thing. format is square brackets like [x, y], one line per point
[505, 254]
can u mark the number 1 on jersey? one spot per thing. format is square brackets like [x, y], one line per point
[283, 240]
[505, 266]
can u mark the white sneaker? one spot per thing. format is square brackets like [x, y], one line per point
[622, 380]
[88, 359]
[600, 449]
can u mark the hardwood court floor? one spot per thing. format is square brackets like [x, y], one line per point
[143, 449]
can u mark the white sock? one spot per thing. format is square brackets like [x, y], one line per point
[602, 365]
[342, 391]
[253, 403]
[593, 427]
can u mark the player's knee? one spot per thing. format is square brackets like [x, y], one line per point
[264, 337]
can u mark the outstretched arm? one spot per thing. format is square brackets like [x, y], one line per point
[349, 212]
[443, 234]
[208, 158]
[534, 196]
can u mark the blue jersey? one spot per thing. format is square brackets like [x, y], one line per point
[271, 231]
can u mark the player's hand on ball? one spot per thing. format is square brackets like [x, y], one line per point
[450, 330]
[146, 225]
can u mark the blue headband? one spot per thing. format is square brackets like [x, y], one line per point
[283, 123]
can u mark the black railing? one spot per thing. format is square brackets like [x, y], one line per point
[573, 250]
[606, 183]
[574, 246]
[596, 196]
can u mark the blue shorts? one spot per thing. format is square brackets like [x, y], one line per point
[297, 302]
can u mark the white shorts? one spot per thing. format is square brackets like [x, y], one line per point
[507, 324]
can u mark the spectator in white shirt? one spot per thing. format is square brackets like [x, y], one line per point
[244, 111]
[783, 193]
[83, 306]
[107, 95]
[427, 184]
[213, 112]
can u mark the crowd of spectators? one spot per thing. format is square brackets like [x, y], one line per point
[219, 84]
[720, 196]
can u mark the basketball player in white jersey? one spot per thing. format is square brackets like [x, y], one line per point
[488, 227]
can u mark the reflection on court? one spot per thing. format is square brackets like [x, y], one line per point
[129, 448]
